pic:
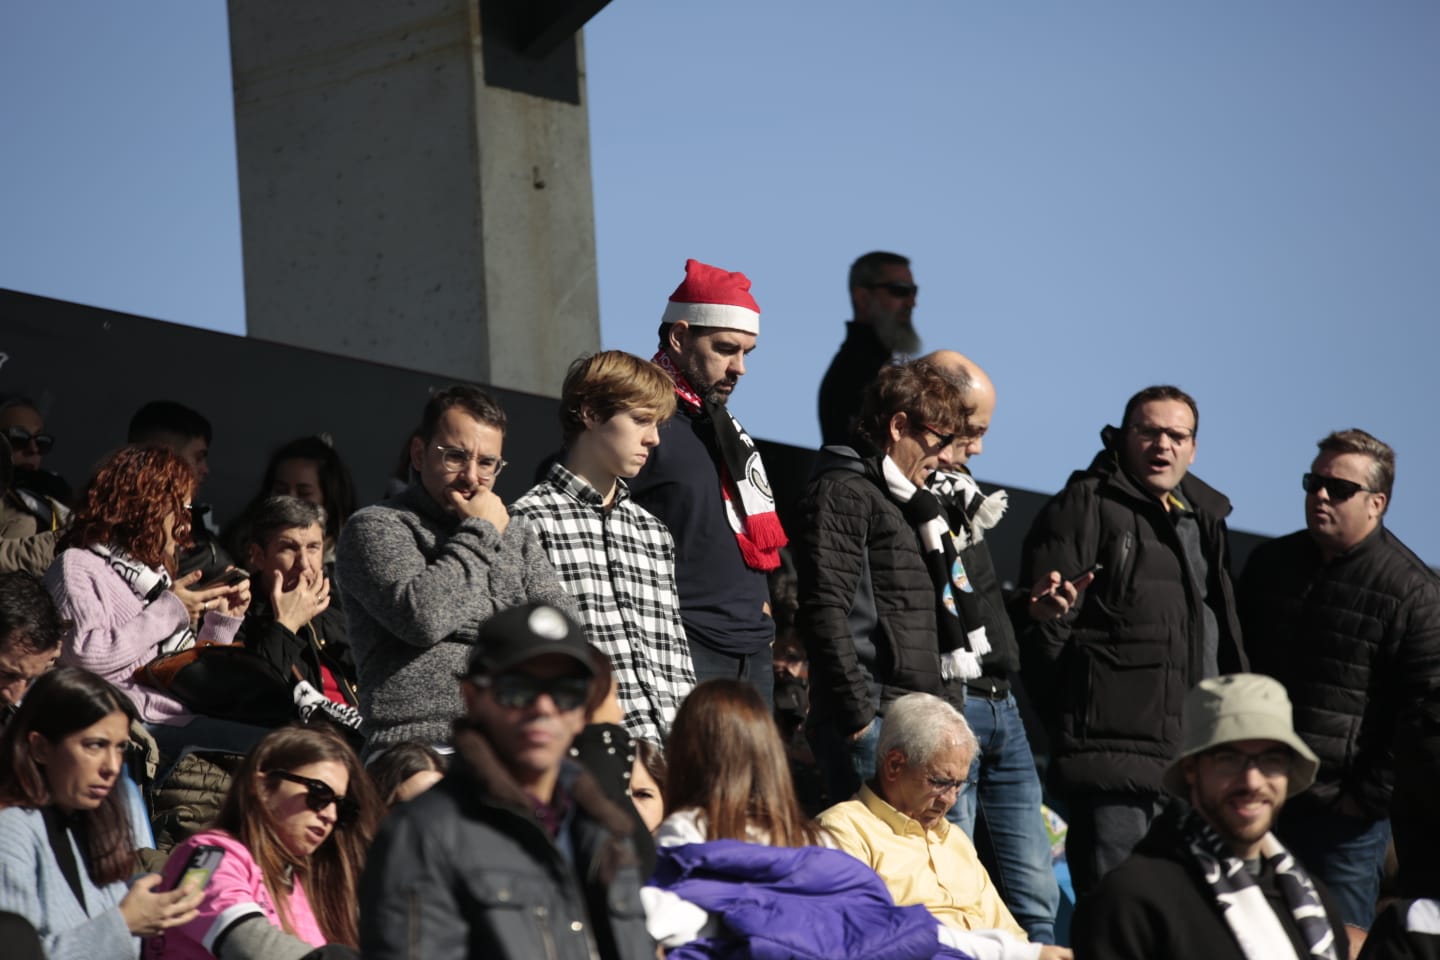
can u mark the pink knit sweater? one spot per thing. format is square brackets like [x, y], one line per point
[114, 634]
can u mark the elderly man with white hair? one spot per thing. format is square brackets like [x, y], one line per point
[896, 824]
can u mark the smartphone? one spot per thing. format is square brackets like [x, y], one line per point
[230, 578]
[1093, 568]
[203, 862]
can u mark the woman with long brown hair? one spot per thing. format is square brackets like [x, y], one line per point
[728, 777]
[293, 831]
[66, 851]
[115, 582]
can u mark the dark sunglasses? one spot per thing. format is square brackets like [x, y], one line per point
[319, 795]
[945, 438]
[1339, 490]
[518, 690]
[897, 289]
[20, 438]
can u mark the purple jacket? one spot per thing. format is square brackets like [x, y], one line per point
[783, 902]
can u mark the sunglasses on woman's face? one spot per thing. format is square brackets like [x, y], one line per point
[319, 795]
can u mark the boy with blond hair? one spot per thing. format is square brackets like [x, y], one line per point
[615, 558]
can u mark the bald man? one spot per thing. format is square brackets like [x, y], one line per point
[1000, 804]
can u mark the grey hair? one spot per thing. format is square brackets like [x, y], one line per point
[274, 514]
[920, 725]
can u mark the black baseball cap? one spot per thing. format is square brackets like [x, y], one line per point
[525, 632]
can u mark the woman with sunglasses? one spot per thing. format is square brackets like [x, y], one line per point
[66, 850]
[293, 829]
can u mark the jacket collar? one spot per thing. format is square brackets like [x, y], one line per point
[1197, 494]
[570, 484]
[483, 779]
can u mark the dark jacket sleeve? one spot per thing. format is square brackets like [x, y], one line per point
[1065, 538]
[831, 552]
[1119, 924]
[408, 903]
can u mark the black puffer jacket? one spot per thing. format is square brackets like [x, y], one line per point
[1111, 676]
[1355, 641]
[867, 605]
[467, 870]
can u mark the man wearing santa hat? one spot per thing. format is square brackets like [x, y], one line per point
[707, 483]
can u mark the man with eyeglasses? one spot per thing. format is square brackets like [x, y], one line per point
[1109, 676]
[425, 569]
[872, 568]
[516, 853]
[882, 296]
[1211, 879]
[1348, 618]
[896, 824]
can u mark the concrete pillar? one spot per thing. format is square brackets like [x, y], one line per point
[397, 207]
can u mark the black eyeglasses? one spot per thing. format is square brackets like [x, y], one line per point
[1339, 490]
[1232, 763]
[319, 795]
[897, 289]
[20, 438]
[517, 690]
[945, 438]
[945, 784]
[1153, 434]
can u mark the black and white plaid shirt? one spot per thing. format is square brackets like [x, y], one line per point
[619, 565]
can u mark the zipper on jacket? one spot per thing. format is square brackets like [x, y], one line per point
[546, 937]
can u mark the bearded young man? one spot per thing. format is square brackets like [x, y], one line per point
[1215, 882]
[882, 296]
[706, 482]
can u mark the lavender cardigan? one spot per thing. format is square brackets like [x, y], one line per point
[114, 633]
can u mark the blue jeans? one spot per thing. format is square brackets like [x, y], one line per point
[1000, 810]
[758, 669]
[1347, 854]
[844, 764]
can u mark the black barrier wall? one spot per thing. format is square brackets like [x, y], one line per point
[89, 369]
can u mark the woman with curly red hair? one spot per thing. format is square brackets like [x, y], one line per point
[114, 581]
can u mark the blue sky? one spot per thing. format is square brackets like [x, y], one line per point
[1243, 199]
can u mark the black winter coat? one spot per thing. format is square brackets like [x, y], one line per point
[466, 870]
[1356, 641]
[1110, 677]
[867, 604]
[1157, 905]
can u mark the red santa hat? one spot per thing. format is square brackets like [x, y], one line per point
[711, 297]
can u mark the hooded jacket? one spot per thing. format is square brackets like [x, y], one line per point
[1110, 677]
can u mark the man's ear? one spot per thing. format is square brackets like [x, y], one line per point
[256, 557]
[1187, 768]
[892, 765]
[899, 425]
[417, 452]
[1378, 503]
[679, 335]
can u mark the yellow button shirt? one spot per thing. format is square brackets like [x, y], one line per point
[938, 868]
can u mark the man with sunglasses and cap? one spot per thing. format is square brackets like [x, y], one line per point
[1211, 879]
[882, 296]
[517, 853]
[424, 569]
[1348, 619]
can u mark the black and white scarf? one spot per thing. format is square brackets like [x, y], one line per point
[956, 606]
[148, 584]
[1243, 905]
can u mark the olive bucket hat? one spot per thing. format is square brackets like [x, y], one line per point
[1240, 706]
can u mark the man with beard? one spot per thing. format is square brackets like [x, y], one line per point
[1215, 882]
[426, 568]
[1109, 676]
[882, 293]
[706, 481]
[1348, 619]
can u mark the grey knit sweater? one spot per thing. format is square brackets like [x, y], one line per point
[418, 584]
